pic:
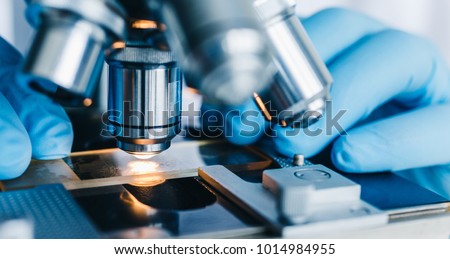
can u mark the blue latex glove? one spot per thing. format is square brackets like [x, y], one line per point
[31, 125]
[394, 86]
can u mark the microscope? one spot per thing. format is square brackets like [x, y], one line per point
[230, 51]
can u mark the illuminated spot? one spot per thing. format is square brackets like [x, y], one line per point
[87, 102]
[144, 24]
[144, 156]
[142, 167]
[118, 45]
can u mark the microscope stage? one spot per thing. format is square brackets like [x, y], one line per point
[164, 197]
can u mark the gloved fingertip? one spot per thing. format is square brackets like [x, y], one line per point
[289, 142]
[51, 151]
[283, 146]
[244, 125]
[16, 159]
[16, 170]
[342, 161]
[241, 134]
[242, 140]
[345, 156]
[55, 143]
[52, 156]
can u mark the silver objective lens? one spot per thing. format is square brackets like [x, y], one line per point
[144, 98]
[220, 47]
[301, 86]
[66, 56]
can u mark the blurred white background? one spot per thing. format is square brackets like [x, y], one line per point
[430, 18]
[13, 25]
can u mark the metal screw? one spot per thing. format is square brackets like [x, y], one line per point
[299, 160]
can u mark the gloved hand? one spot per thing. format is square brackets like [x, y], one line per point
[31, 125]
[394, 87]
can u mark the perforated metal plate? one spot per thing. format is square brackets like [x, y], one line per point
[52, 211]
